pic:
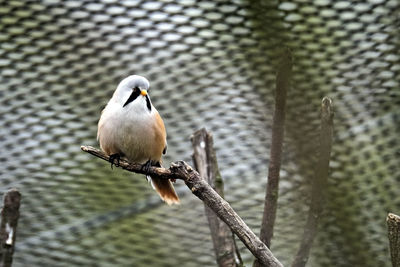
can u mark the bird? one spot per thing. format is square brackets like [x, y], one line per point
[131, 127]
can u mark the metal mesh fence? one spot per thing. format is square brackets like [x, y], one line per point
[210, 64]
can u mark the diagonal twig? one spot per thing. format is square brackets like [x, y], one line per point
[319, 184]
[199, 187]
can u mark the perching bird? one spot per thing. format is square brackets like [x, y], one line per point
[131, 127]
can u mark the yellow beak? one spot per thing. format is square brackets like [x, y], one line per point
[143, 92]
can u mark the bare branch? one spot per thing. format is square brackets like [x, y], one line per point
[199, 187]
[393, 223]
[319, 184]
[271, 197]
[205, 162]
[8, 227]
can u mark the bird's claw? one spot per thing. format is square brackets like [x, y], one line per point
[146, 167]
[114, 158]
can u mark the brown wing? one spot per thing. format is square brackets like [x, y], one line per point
[160, 137]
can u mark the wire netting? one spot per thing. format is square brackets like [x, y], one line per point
[210, 64]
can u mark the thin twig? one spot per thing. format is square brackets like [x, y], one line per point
[8, 226]
[271, 197]
[393, 223]
[319, 184]
[205, 162]
[199, 187]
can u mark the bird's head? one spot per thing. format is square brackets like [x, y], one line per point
[133, 89]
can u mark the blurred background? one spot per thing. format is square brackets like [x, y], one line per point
[210, 64]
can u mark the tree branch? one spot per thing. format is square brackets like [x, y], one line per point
[393, 223]
[319, 184]
[199, 187]
[271, 197]
[8, 226]
[205, 162]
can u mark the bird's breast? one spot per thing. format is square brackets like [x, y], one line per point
[135, 134]
[137, 138]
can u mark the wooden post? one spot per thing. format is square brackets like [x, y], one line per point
[205, 162]
[393, 223]
[319, 184]
[283, 78]
[8, 226]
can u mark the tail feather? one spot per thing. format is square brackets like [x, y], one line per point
[166, 190]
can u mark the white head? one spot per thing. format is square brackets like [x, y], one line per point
[133, 89]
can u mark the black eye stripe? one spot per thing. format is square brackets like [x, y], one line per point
[148, 102]
[133, 96]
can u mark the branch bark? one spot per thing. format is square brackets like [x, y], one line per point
[393, 223]
[271, 197]
[199, 187]
[205, 162]
[8, 226]
[319, 184]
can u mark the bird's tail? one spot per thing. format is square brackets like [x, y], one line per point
[166, 190]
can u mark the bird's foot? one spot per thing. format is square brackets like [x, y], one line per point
[146, 167]
[114, 159]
